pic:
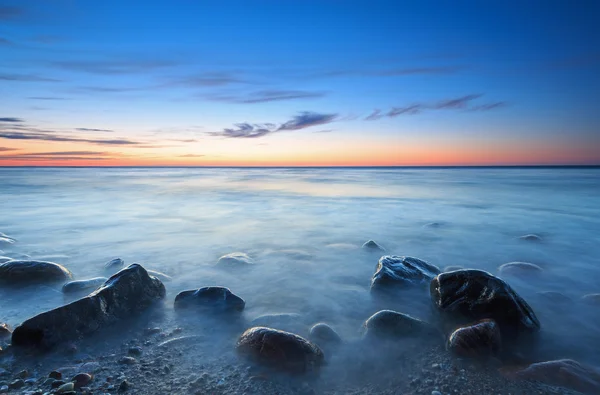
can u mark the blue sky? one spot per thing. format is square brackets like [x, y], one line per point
[212, 79]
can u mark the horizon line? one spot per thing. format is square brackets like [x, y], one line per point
[311, 167]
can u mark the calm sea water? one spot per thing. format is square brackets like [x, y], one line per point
[304, 228]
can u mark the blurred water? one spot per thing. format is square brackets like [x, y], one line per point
[304, 228]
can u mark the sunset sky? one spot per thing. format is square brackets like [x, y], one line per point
[299, 83]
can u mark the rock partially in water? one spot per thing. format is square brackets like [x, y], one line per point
[592, 299]
[82, 285]
[388, 324]
[479, 340]
[372, 245]
[218, 299]
[6, 239]
[322, 333]
[565, 373]
[235, 259]
[82, 380]
[402, 271]
[466, 296]
[25, 272]
[4, 331]
[114, 264]
[452, 268]
[5, 259]
[280, 349]
[291, 322]
[520, 269]
[531, 237]
[161, 276]
[124, 295]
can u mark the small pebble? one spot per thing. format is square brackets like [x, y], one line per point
[127, 361]
[4, 388]
[124, 386]
[15, 385]
[55, 375]
[135, 351]
[57, 383]
[68, 387]
[436, 393]
[82, 379]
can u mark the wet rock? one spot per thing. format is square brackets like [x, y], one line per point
[372, 245]
[322, 333]
[280, 349]
[4, 331]
[57, 384]
[55, 375]
[114, 264]
[24, 272]
[290, 322]
[565, 373]
[127, 361]
[592, 299]
[23, 374]
[17, 384]
[520, 269]
[4, 389]
[5, 259]
[388, 324]
[135, 351]
[81, 285]
[82, 380]
[479, 340]
[161, 276]
[555, 297]
[124, 295]
[218, 299]
[124, 386]
[531, 237]
[452, 268]
[68, 387]
[235, 259]
[466, 296]
[402, 271]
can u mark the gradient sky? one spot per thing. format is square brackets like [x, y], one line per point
[287, 83]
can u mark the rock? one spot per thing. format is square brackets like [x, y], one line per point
[283, 321]
[402, 271]
[591, 299]
[68, 387]
[235, 259]
[555, 297]
[565, 373]
[17, 384]
[452, 268]
[4, 331]
[6, 239]
[4, 389]
[57, 384]
[214, 298]
[372, 245]
[388, 324]
[124, 386]
[55, 375]
[161, 276]
[280, 349]
[23, 374]
[531, 237]
[82, 380]
[466, 296]
[519, 269]
[479, 340]
[125, 294]
[135, 351]
[80, 285]
[322, 333]
[23, 272]
[5, 259]
[114, 264]
[127, 361]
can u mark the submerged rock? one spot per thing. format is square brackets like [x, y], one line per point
[125, 294]
[402, 271]
[81, 285]
[6, 239]
[161, 276]
[482, 339]
[322, 333]
[235, 259]
[565, 373]
[372, 245]
[4, 331]
[531, 237]
[282, 321]
[520, 269]
[465, 296]
[591, 299]
[114, 264]
[214, 298]
[452, 268]
[22, 272]
[280, 349]
[386, 324]
[5, 259]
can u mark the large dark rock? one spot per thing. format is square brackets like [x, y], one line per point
[388, 324]
[83, 285]
[23, 272]
[280, 349]
[402, 271]
[466, 296]
[479, 340]
[214, 298]
[124, 295]
[565, 373]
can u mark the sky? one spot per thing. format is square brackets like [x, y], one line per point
[299, 83]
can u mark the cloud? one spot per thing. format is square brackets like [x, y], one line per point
[66, 153]
[463, 103]
[48, 158]
[47, 98]
[4, 41]
[94, 130]
[209, 79]
[112, 67]
[303, 120]
[54, 137]
[191, 156]
[4, 149]
[11, 120]
[26, 78]
[7, 12]
[269, 96]
[390, 72]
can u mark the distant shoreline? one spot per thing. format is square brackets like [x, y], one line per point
[314, 167]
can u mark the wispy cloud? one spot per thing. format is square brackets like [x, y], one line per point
[94, 130]
[390, 72]
[302, 120]
[208, 79]
[25, 78]
[62, 138]
[191, 156]
[112, 67]
[4, 149]
[269, 96]
[8, 12]
[4, 41]
[462, 103]
[48, 158]
[47, 98]
[67, 153]
[11, 120]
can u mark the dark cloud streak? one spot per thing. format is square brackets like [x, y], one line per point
[303, 120]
